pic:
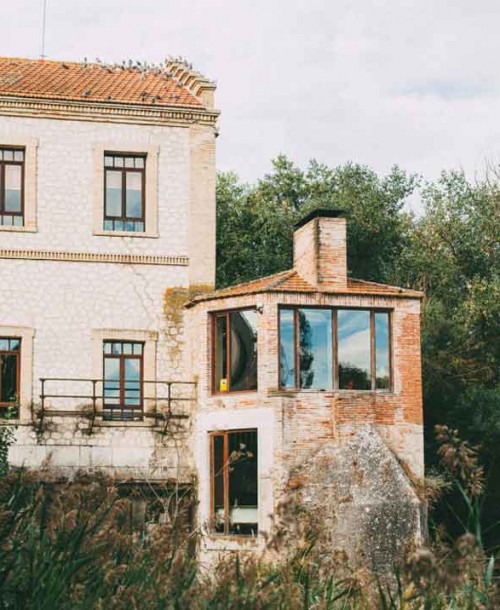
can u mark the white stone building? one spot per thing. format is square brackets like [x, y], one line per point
[117, 355]
[107, 201]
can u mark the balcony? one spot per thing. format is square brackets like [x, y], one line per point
[102, 400]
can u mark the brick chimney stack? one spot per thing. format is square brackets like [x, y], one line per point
[320, 250]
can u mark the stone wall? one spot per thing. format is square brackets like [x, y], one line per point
[79, 289]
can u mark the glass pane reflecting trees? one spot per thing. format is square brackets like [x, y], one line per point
[354, 357]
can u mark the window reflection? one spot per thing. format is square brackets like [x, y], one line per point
[244, 350]
[382, 362]
[354, 350]
[315, 348]
[235, 365]
[287, 348]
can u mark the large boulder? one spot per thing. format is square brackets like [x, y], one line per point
[367, 505]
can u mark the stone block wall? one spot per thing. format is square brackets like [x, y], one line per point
[65, 284]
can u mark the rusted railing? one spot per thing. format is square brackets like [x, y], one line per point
[136, 401]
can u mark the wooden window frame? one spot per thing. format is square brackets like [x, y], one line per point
[3, 164]
[17, 353]
[335, 360]
[118, 412]
[227, 314]
[225, 434]
[124, 218]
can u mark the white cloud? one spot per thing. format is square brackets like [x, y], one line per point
[407, 82]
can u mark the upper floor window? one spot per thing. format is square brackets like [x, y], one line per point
[124, 192]
[235, 351]
[123, 380]
[234, 482]
[11, 187]
[346, 349]
[10, 367]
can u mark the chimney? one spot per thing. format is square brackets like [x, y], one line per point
[319, 249]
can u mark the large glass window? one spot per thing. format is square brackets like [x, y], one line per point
[124, 192]
[354, 351]
[11, 187]
[235, 351]
[123, 380]
[234, 482]
[354, 357]
[10, 366]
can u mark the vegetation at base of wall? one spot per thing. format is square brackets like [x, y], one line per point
[450, 250]
[79, 546]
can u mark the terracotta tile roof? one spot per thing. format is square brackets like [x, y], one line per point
[291, 281]
[64, 80]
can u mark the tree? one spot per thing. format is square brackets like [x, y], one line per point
[255, 223]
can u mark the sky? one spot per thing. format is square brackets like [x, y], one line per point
[412, 83]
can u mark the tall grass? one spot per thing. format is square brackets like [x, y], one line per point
[74, 546]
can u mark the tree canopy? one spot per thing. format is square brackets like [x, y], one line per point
[451, 252]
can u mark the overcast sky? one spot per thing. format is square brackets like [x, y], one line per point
[413, 83]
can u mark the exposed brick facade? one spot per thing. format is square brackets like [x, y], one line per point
[306, 421]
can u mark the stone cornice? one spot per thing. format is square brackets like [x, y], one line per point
[108, 112]
[94, 257]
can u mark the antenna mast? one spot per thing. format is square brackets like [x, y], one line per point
[42, 42]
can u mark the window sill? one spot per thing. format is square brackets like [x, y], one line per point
[294, 391]
[103, 233]
[230, 541]
[25, 229]
[233, 393]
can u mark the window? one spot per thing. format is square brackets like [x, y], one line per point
[347, 349]
[10, 368]
[12, 187]
[123, 380]
[234, 482]
[124, 192]
[235, 351]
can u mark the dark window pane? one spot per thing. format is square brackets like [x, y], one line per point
[243, 350]
[243, 486]
[13, 188]
[315, 348]
[134, 195]
[218, 482]
[382, 350]
[220, 354]
[8, 377]
[354, 350]
[287, 348]
[113, 194]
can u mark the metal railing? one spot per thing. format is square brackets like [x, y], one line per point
[160, 401]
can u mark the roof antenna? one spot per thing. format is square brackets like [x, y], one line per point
[42, 42]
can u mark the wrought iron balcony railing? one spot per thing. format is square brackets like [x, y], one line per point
[113, 400]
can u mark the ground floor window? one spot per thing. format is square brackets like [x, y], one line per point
[346, 349]
[234, 483]
[123, 380]
[10, 367]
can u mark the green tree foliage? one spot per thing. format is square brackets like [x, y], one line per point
[451, 252]
[255, 222]
[454, 256]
